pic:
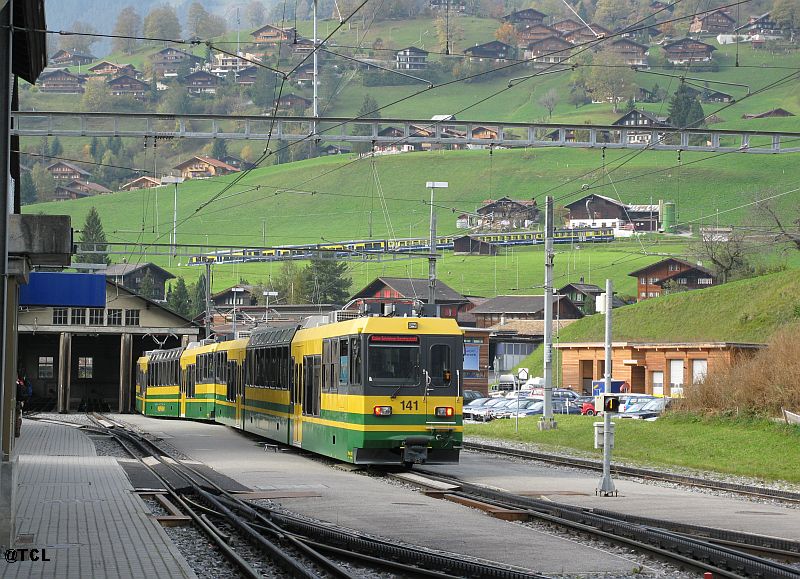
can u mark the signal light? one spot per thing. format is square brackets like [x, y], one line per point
[382, 411]
[611, 404]
[445, 412]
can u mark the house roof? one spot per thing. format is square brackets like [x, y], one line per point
[70, 165]
[550, 39]
[60, 72]
[129, 78]
[525, 14]
[270, 26]
[411, 288]
[675, 259]
[642, 208]
[677, 43]
[529, 327]
[513, 305]
[494, 45]
[722, 12]
[209, 160]
[629, 41]
[662, 345]
[120, 269]
[201, 73]
[584, 288]
[247, 289]
[152, 303]
[73, 54]
[779, 112]
[655, 119]
[143, 179]
[412, 49]
[96, 187]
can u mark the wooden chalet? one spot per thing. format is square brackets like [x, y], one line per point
[234, 161]
[688, 50]
[167, 62]
[127, 85]
[584, 296]
[106, 68]
[687, 275]
[769, 114]
[66, 57]
[550, 50]
[247, 76]
[535, 33]
[78, 190]
[223, 63]
[526, 17]
[201, 82]
[143, 182]
[393, 290]
[762, 25]
[203, 168]
[333, 149]
[293, 103]
[506, 213]
[502, 308]
[583, 34]
[488, 133]
[269, 35]
[66, 172]
[644, 119]
[304, 75]
[468, 245]
[715, 96]
[494, 51]
[411, 58]
[631, 52]
[600, 211]
[655, 368]
[245, 295]
[567, 25]
[131, 275]
[717, 22]
[61, 81]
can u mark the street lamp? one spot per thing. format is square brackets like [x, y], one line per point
[165, 180]
[266, 310]
[236, 291]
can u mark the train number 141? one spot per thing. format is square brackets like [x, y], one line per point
[410, 405]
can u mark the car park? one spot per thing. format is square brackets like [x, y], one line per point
[530, 407]
[514, 405]
[477, 403]
[649, 410]
[479, 412]
[488, 413]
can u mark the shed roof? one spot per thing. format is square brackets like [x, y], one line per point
[119, 269]
[513, 305]
[675, 259]
[412, 288]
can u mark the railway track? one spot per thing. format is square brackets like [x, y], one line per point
[642, 473]
[722, 553]
[300, 547]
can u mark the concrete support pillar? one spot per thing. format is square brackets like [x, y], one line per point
[64, 370]
[125, 368]
[9, 392]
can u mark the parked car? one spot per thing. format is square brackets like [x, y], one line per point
[649, 410]
[531, 407]
[587, 408]
[470, 395]
[488, 412]
[479, 412]
[513, 405]
[477, 403]
[631, 400]
[565, 407]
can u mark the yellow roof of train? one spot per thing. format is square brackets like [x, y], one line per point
[382, 325]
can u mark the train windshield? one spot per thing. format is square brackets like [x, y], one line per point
[394, 360]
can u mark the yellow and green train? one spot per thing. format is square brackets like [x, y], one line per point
[373, 390]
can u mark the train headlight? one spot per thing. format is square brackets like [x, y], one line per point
[382, 411]
[445, 412]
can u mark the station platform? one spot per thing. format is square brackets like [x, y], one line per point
[79, 510]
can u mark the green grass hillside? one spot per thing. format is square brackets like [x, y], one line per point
[749, 310]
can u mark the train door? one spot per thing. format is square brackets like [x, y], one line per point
[240, 398]
[298, 393]
[182, 391]
[441, 382]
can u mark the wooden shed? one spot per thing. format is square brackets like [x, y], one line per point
[468, 245]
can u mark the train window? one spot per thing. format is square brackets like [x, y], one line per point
[355, 361]
[326, 359]
[344, 362]
[231, 391]
[441, 371]
[393, 363]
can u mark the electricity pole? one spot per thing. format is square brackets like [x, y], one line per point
[433, 185]
[606, 485]
[208, 299]
[547, 422]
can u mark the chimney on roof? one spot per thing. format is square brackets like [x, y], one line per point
[581, 279]
[502, 319]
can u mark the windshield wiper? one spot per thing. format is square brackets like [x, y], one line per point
[396, 391]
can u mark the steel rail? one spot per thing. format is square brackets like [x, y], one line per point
[293, 527]
[700, 553]
[637, 472]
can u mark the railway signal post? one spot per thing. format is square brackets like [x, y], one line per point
[610, 405]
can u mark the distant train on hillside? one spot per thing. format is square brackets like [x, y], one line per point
[409, 244]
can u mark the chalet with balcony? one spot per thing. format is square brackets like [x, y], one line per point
[234, 161]
[201, 82]
[525, 18]
[498, 310]
[203, 168]
[247, 76]
[644, 119]
[269, 35]
[144, 182]
[223, 63]
[600, 211]
[494, 51]
[535, 33]
[411, 58]
[688, 50]
[686, 275]
[110, 69]
[717, 22]
[715, 96]
[241, 295]
[762, 25]
[385, 292]
[131, 276]
[78, 190]
[61, 81]
[631, 52]
[127, 85]
[583, 34]
[568, 25]
[506, 213]
[488, 133]
[167, 62]
[67, 57]
[66, 172]
[304, 75]
[293, 103]
[550, 50]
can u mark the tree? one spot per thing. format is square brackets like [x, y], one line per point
[44, 183]
[728, 255]
[96, 149]
[199, 296]
[254, 14]
[129, 23]
[27, 189]
[178, 298]
[219, 149]
[96, 96]
[93, 238]
[289, 282]
[787, 225]
[448, 33]
[162, 22]
[369, 109]
[55, 148]
[82, 41]
[325, 282]
[506, 33]
[201, 24]
[787, 14]
[263, 89]
[612, 14]
[147, 288]
[549, 101]
[685, 111]
[614, 87]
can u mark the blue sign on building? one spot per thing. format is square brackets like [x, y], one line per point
[58, 289]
